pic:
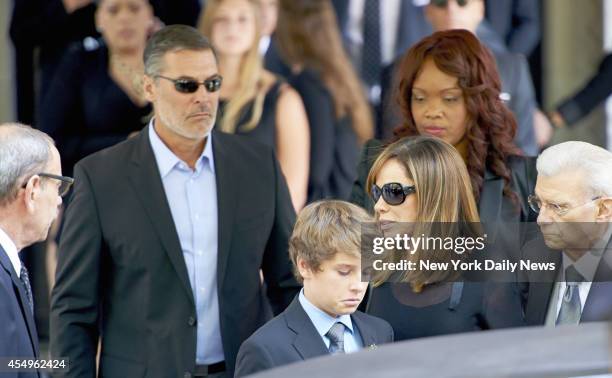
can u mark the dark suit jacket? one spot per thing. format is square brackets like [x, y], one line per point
[536, 295]
[121, 273]
[411, 26]
[291, 337]
[517, 22]
[18, 337]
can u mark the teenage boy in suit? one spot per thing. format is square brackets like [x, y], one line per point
[325, 252]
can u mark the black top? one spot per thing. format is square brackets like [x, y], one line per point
[334, 148]
[265, 131]
[434, 311]
[85, 110]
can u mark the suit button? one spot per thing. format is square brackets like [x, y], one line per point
[187, 375]
[191, 321]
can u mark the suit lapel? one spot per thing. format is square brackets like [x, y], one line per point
[308, 343]
[22, 299]
[490, 203]
[143, 174]
[598, 305]
[368, 335]
[228, 190]
[540, 292]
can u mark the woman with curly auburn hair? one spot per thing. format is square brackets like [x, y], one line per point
[449, 88]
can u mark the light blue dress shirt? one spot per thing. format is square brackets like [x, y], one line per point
[323, 322]
[192, 196]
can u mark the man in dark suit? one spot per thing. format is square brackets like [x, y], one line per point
[517, 86]
[30, 197]
[573, 196]
[166, 234]
[325, 251]
[375, 32]
[517, 22]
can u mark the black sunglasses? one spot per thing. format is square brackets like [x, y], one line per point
[444, 3]
[211, 85]
[65, 184]
[393, 193]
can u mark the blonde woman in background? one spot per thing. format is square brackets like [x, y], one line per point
[253, 101]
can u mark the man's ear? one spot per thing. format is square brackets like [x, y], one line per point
[31, 193]
[304, 268]
[148, 88]
[604, 209]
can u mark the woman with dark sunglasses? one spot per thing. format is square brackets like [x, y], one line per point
[449, 88]
[420, 184]
[95, 98]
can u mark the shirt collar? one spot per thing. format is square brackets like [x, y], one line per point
[321, 320]
[11, 250]
[167, 160]
[587, 264]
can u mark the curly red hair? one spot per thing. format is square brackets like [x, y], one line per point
[491, 125]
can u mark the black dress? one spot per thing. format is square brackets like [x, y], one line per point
[334, 148]
[85, 110]
[265, 131]
[445, 308]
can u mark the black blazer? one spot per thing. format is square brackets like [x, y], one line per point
[18, 337]
[291, 337]
[493, 205]
[121, 275]
[536, 295]
[334, 148]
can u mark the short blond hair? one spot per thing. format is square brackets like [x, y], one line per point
[323, 229]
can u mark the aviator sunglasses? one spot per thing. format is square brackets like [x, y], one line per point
[393, 193]
[444, 3]
[211, 85]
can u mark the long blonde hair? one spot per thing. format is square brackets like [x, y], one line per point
[251, 71]
[308, 35]
[443, 195]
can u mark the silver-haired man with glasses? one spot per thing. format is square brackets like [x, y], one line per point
[573, 199]
[31, 186]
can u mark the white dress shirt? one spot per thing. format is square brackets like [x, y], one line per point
[11, 250]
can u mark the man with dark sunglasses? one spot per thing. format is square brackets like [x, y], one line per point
[167, 233]
[31, 185]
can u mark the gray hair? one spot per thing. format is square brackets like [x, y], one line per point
[594, 161]
[24, 152]
[170, 39]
